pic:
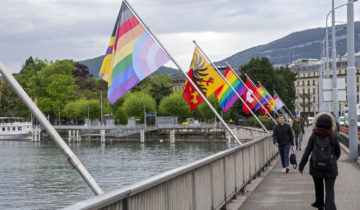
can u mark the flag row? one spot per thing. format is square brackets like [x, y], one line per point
[133, 53]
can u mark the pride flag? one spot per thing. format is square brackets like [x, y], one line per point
[225, 95]
[265, 99]
[278, 102]
[131, 56]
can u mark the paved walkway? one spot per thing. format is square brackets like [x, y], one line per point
[295, 191]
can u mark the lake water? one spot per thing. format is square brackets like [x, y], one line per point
[36, 175]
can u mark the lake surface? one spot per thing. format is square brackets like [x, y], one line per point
[36, 175]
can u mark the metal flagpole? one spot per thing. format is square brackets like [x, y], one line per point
[285, 105]
[274, 110]
[185, 74]
[71, 157]
[272, 98]
[222, 76]
[251, 93]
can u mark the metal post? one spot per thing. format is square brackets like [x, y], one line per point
[351, 86]
[144, 117]
[321, 86]
[222, 76]
[185, 74]
[327, 48]
[252, 93]
[271, 98]
[274, 110]
[285, 106]
[101, 117]
[71, 157]
[334, 76]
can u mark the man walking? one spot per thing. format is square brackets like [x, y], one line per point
[298, 127]
[284, 139]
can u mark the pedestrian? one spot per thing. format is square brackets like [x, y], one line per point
[325, 151]
[298, 128]
[283, 138]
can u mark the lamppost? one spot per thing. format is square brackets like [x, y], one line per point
[334, 76]
[351, 86]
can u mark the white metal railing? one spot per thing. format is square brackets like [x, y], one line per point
[208, 183]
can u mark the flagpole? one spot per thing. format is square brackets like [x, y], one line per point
[222, 76]
[260, 93]
[69, 154]
[185, 74]
[284, 104]
[251, 93]
[281, 109]
[272, 98]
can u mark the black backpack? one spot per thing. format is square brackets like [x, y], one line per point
[322, 154]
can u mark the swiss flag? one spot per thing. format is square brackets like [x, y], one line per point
[248, 97]
[190, 94]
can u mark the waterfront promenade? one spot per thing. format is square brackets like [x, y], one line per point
[295, 191]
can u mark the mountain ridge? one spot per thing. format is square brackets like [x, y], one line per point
[300, 44]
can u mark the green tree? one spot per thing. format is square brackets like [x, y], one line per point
[281, 80]
[135, 102]
[121, 117]
[160, 86]
[175, 105]
[205, 111]
[287, 89]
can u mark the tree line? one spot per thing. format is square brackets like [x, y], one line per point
[65, 88]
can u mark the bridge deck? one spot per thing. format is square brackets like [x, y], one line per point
[296, 191]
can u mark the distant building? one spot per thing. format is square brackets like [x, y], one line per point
[307, 83]
[178, 80]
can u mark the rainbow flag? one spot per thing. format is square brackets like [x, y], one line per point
[225, 95]
[266, 99]
[131, 56]
[278, 102]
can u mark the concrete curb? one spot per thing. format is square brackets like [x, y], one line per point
[237, 202]
[343, 147]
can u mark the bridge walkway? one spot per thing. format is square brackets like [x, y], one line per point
[295, 191]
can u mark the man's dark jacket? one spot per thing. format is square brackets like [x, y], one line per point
[282, 134]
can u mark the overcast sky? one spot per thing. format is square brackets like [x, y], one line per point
[80, 29]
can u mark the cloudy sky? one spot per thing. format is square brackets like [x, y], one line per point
[80, 29]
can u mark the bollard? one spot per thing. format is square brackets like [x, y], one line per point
[73, 136]
[39, 134]
[228, 137]
[142, 136]
[69, 135]
[102, 134]
[172, 136]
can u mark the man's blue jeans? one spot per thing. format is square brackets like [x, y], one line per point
[284, 155]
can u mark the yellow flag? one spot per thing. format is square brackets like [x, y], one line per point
[204, 75]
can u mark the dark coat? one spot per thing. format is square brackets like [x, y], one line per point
[309, 148]
[282, 134]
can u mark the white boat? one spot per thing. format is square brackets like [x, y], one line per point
[15, 128]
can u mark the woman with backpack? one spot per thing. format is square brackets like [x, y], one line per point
[325, 151]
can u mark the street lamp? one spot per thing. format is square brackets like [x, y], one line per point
[351, 87]
[334, 76]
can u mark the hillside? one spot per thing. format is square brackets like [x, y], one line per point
[94, 65]
[301, 44]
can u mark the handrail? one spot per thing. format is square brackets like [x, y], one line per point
[119, 194]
